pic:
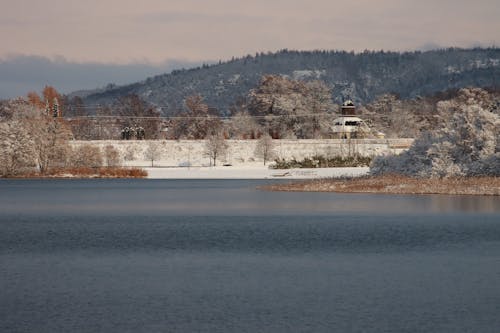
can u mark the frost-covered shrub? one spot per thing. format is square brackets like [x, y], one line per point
[413, 162]
[111, 156]
[130, 153]
[320, 161]
[466, 145]
[16, 148]
[87, 156]
[489, 166]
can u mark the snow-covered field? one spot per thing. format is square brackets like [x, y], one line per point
[186, 159]
[242, 153]
[250, 172]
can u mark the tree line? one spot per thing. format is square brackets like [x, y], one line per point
[35, 130]
[34, 137]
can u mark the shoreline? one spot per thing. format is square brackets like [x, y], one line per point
[340, 180]
[252, 172]
[201, 172]
[486, 186]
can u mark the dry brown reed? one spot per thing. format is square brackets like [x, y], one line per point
[86, 172]
[396, 184]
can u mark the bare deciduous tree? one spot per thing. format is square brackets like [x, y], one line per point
[135, 112]
[215, 146]
[111, 156]
[265, 148]
[244, 126]
[152, 152]
[196, 121]
[87, 156]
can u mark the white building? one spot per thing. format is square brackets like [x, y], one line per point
[348, 125]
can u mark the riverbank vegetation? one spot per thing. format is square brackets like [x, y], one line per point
[86, 172]
[320, 161]
[465, 145]
[460, 157]
[396, 184]
[35, 143]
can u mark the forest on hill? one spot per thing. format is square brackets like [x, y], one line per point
[362, 77]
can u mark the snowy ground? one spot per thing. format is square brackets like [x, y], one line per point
[174, 157]
[250, 172]
[172, 153]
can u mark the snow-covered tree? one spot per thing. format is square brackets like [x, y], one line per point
[111, 156]
[17, 109]
[134, 112]
[50, 141]
[16, 151]
[393, 117]
[152, 152]
[265, 148]
[215, 146]
[244, 126]
[467, 144]
[55, 108]
[48, 136]
[291, 108]
[87, 156]
[196, 121]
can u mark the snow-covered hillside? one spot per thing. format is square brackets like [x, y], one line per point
[362, 76]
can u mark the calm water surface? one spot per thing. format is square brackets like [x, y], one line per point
[221, 256]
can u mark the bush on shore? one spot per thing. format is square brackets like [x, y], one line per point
[323, 162]
[89, 172]
[467, 144]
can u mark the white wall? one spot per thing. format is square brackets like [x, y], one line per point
[242, 152]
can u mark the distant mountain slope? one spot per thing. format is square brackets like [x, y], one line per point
[361, 76]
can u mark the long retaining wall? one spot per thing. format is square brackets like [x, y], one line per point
[240, 152]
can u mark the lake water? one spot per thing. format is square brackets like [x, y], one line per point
[221, 256]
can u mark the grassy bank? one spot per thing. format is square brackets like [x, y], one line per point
[397, 185]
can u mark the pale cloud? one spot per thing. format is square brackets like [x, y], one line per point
[124, 31]
[20, 74]
[99, 37]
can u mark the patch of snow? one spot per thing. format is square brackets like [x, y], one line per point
[452, 70]
[251, 172]
[234, 79]
[308, 74]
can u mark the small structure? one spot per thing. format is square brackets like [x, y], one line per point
[349, 126]
[133, 132]
[164, 133]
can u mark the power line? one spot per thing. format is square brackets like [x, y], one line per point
[263, 117]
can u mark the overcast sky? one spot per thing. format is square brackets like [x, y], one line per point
[158, 34]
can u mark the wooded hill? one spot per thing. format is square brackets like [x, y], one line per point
[360, 76]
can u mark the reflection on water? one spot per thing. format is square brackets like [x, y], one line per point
[221, 256]
[471, 204]
[213, 197]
